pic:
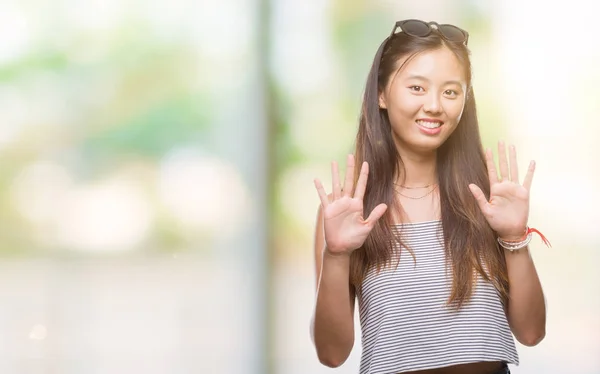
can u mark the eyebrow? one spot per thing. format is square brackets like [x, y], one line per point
[420, 77]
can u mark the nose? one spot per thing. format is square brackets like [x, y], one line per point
[432, 104]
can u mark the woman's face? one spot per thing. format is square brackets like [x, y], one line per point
[425, 100]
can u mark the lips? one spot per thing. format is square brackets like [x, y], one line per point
[429, 127]
[429, 123]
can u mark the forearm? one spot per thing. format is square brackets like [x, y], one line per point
[527, 306]
[333, 322]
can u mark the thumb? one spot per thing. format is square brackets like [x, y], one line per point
[479, 196]
[376, 213]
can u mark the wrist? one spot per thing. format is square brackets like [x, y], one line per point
[518, 253]
[514, 236]
[514, 242]
[337, 253]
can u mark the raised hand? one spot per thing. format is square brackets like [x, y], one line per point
[345, 228]
[507, 211]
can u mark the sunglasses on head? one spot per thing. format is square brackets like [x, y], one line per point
[418, 28]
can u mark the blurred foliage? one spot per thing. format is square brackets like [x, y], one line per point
[126, 97]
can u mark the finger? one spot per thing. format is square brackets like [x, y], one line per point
[491, 165]
[322, 193]
[529, 176]
[376, 214]
[480, 197]
[361, 184]
[514, 168]
[349, 176]
[502, 161]
[335, 181]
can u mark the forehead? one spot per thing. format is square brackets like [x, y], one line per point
[436, 65]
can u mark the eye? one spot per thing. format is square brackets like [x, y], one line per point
[416, 88]
[451, 93]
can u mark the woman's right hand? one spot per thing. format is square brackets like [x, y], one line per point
[344, 225]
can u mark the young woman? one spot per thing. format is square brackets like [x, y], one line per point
[423, 231]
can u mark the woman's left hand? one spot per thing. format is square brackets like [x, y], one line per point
[507, 211]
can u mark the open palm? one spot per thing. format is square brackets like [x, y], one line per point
[344, 224]
[507, 210]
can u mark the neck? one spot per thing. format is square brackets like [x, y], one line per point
[419, 169]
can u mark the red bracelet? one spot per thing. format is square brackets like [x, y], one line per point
[530, 230]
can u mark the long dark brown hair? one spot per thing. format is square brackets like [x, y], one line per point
[470, 242]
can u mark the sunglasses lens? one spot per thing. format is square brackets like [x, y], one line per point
[452, 33]
[415, 28]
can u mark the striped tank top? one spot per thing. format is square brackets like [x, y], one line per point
[405, 323]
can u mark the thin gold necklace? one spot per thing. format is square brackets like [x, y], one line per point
[414, 188]
[420, 197]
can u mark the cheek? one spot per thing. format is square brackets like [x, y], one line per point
[406, 104]
[454, 109]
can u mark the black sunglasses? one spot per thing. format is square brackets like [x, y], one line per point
[418, 28]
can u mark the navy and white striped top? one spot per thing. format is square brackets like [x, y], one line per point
[406, 324]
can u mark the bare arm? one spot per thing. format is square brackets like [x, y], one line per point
[340, 230]
[507, 212]
[332, 325]
[526, 306]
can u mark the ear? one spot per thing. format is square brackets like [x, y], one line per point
[382, 103]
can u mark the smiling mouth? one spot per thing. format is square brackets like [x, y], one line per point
[430, 124]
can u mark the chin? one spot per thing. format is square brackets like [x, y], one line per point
[422, 148]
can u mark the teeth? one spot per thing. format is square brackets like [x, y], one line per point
[429, 125]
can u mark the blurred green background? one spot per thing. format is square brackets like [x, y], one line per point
[157, 158]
